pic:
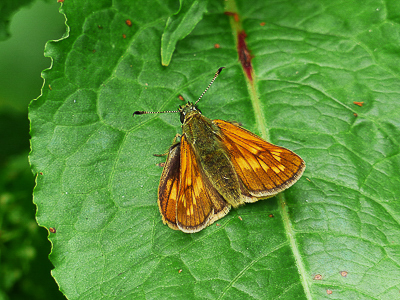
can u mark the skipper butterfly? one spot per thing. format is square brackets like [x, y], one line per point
[217, 165]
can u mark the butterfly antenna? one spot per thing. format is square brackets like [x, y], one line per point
[176, 111]
[154, 112]
[212, 81]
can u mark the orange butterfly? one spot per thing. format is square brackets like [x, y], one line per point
[216, 165]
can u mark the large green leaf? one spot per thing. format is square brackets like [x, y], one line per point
[335, 234]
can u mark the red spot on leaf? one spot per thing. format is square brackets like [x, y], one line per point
[244, 54]
[52, 230]
[358, 103]
[128, 22]
[216, 46]
[344, 273]
[235, 15]
[262, 23]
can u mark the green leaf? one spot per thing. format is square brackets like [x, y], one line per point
[334, 234]
[180, 25]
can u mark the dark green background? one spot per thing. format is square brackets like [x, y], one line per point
[24, 248]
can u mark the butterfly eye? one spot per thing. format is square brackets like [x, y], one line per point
[182, 117]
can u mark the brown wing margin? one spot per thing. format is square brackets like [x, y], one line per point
[199, 204]
[168, 188]
[265, 169]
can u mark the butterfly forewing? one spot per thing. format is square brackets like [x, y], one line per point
[265, 169]
[199, 204]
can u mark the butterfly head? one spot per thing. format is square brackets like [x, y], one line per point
[187, 111]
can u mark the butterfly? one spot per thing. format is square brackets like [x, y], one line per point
[217, 165]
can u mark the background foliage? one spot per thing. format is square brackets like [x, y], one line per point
[335, 234]
[24, 248]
